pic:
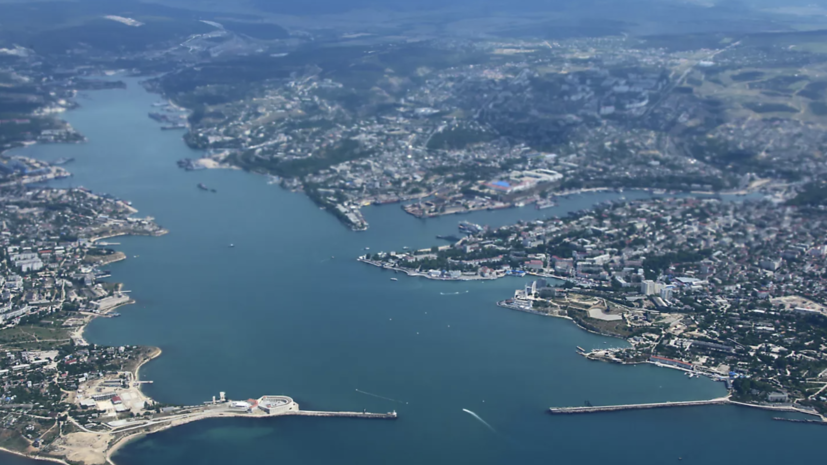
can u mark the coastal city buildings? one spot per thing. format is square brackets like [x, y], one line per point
[438, 124]
[52, 287]
[688, 279]
[512, 128]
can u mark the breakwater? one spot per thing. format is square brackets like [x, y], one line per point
[796, 420]
[310, 413]
[691, 403]
[618, 408]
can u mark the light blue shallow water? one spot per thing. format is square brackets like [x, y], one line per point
[289, 311]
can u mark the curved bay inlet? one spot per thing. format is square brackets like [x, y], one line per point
[289, 310]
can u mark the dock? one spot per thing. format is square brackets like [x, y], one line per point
[618, 408]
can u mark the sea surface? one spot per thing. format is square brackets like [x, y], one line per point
[290, 311]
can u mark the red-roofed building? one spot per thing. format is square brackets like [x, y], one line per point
[534, 264]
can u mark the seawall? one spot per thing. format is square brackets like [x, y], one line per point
[618, 408]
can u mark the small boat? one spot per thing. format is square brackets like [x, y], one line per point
[580, 349]
[367, 248]
[232, 245]
[394, 279]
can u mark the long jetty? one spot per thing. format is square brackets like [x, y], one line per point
[310, 413]
[618, 408]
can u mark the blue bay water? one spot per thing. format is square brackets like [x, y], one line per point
[289, 311]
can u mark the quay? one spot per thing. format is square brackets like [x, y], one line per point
[618, 408]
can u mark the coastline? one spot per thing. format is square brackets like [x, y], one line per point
[42, 458]
[77, 334]
[778, 408]
[416, 274]
[119, 443]
[113, 442]
[503, 304]
[113, 447]
[156, 352]
[159, 233]
[790, 408]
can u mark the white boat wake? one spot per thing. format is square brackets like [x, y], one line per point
[479, 419]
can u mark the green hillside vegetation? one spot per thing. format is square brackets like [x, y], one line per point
[747, 76]
[358, 68]
[762, 107]
[814, 193]
[53, 27]
[112, 36]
